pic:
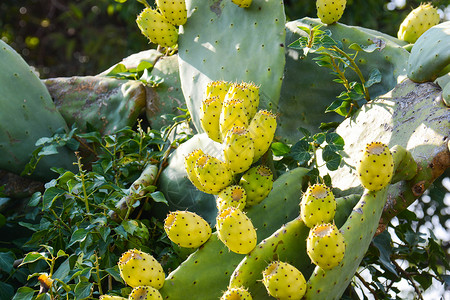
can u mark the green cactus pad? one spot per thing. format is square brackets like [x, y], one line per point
[27, 114]
[216, 261]
[306, 109]
[107, 104]
[221, 41]
[288, 244]
[430, 55]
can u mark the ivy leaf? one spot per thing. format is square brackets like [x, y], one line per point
[331, 158]
[383, 243]
[339, 106]
[319, 138]
[335, 140]
[114, 272]
[301, 152]
[304, 131]
[50, 195]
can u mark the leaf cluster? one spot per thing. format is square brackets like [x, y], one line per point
[75, 241]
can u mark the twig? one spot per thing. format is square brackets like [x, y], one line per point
[408, 276]
[367, 285]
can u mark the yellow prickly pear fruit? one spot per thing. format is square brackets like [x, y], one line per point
[173, 10]
[109, 297]
[317, 205]
[284, 281]
[233, 114]
[189, 164]
[213, 174]
[236, 230]
[239, 293]
[330, 11]
[325, 246]
[218, 88]
[233, 195]
[417, 22]
[376, 167]
[262, 130]
[145, 293]
[247, 92]
[257, 182]
[238, 151]
[242, 3]
[210, 116]
[187, 229]
[156, 28]
[139, 268]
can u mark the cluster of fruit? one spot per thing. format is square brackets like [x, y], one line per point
[160, 25]
[229, 115]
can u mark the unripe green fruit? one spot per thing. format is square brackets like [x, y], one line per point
[262, 130]
[236, 230]
[173, 10]
[417, 22]
[284, 281]
[233, 195]
[239, 151]
[145, 293]
[330, 11]
[187, 229]
[325, 246]
[213, 174]
[257, 182]
[236, 294]
[139, 268]
[376, 167]
[156, 28]
[317, 205]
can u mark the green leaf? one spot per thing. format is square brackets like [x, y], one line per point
[83, 290]
[304, 131]
[104, 231]
[63, 270]
[301, 152]
[143, 65]
[332, 138]
[50, 195]
[6, 261]
[78, 236]
[319, 138]
[331, 158]
[129, 226]
[305, 29]
[6, 290]
[45, 296]
[159, 197]
[339, 106]
[24, 293]
[34, 200]
[32, 257]
[329, 125]
[114, 272]
[65, 286]
[374, 77]
[119, 68]
[383, 243]
[48, 150]
[49, 249]
[280, 149]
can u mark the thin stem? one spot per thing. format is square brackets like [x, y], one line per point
[357, 71]
[97, 272]
[340, 74]
[59, 219]
[408, 276]
[82, 177]
[366, 285]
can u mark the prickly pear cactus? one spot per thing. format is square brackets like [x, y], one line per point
[306, 109]
[108, 104]
[430, 55]
[222, 41]
[27, 114]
